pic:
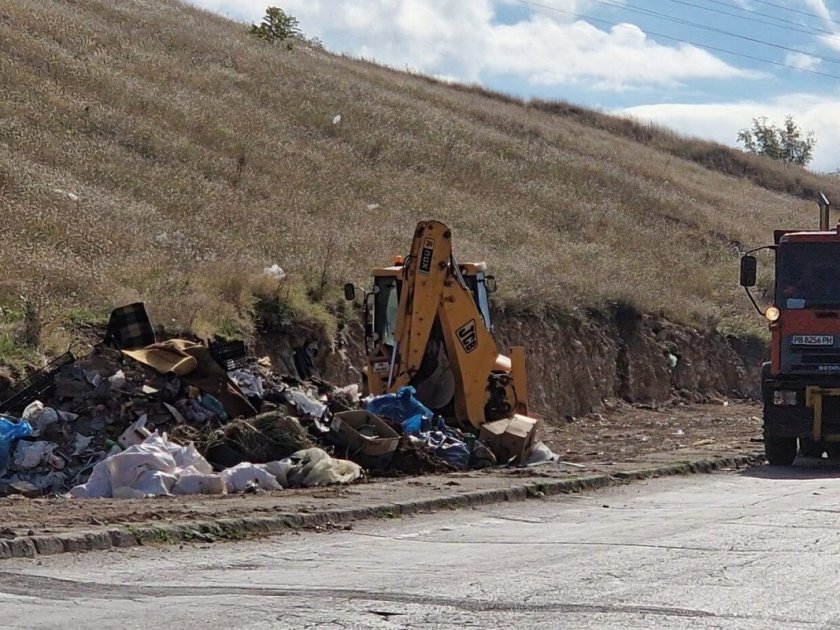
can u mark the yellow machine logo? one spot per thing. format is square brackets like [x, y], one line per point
[468, 336]
[426, 255]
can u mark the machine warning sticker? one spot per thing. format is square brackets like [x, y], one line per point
[468, 336]
[380, 367]
[426, 255]
[813, 340]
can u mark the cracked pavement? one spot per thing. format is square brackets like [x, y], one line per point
[757, 548]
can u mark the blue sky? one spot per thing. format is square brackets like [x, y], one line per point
[661, 60]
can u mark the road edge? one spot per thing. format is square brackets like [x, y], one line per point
[241, 528]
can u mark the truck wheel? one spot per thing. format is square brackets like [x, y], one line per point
[809, 448]
[780, 451]
[833, 451]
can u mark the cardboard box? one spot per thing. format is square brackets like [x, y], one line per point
[509, 439]
[369, 452]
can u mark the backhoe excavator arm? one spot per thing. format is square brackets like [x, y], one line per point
[433, 288]
[425, 271]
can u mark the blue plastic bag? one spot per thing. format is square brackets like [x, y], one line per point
[449, 448]
[402, 407]
[212, 404]
[11, 430]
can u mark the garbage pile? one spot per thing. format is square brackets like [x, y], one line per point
[139, 417]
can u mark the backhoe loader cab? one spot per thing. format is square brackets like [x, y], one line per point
[387, 282]
[428, 325]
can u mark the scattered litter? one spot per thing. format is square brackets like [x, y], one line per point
[240, 477]
[275, 271]
[34, 454]
[249, 383]
[313, 467]
[540, 454]
[10, 432]
[114, 423]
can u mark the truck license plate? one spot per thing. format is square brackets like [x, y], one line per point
[813, 340]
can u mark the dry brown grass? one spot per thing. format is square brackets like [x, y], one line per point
[151, 150]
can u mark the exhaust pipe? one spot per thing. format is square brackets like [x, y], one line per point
[822, 200]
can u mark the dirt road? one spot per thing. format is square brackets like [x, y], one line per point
[623, 438]
[722, 551]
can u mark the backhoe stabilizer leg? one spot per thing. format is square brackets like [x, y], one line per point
[520, 379]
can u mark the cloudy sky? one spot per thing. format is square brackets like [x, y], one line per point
[703, 67]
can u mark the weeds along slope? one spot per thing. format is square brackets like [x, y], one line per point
[151, 150]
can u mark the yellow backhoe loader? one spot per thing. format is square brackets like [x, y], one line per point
[427, 324]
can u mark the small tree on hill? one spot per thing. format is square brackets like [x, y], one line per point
[785, 144]
[277, 25]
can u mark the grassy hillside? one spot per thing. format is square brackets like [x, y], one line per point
[151, 150]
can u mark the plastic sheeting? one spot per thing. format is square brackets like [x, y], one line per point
[11, 430]
[244, 476]
[313, 467]
[159, 467]
[540, 454]
[33, 454]
[402, 407]
[152, 468]
[249, 383]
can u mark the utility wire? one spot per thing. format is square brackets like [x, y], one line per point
[795, 26]
[727, 51]
[711, 29]
[781, 6]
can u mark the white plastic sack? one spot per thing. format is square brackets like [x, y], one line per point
[313, 467]
[33, 454]
[147, 467]
[41, 417]
[188, 457]
[152, 468]
[238, 478]
[540, 454]
[274, 271]
[199, 483]
[280, 471]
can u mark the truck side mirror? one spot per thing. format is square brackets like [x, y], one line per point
[349, 292]
[749, 265]
[490, 284]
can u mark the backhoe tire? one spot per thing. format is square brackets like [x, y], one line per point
[780, 451]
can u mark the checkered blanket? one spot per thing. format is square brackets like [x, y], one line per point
[129, 327]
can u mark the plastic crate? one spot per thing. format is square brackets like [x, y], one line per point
[37, 385]
[231, 355]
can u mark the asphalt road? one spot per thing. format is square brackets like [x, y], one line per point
[756, 549]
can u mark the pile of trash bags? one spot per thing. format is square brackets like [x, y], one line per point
[458, 449]
[158, 467]
[142, 417]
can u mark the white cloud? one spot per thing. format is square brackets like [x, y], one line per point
[463, 40]
[721, 121]
[819, 7]
[802, 61]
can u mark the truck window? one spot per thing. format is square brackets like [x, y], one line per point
[479, 291]
[808, 275]
[385, 308]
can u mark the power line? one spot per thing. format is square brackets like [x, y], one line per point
[712, 29]
[682, 41]
[795, 26]
[813, 15]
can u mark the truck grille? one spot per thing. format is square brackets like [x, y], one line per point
[821, 359]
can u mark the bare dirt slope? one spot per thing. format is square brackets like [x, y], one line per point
[151, 150]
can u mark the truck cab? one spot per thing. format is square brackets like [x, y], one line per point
[801, 383]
